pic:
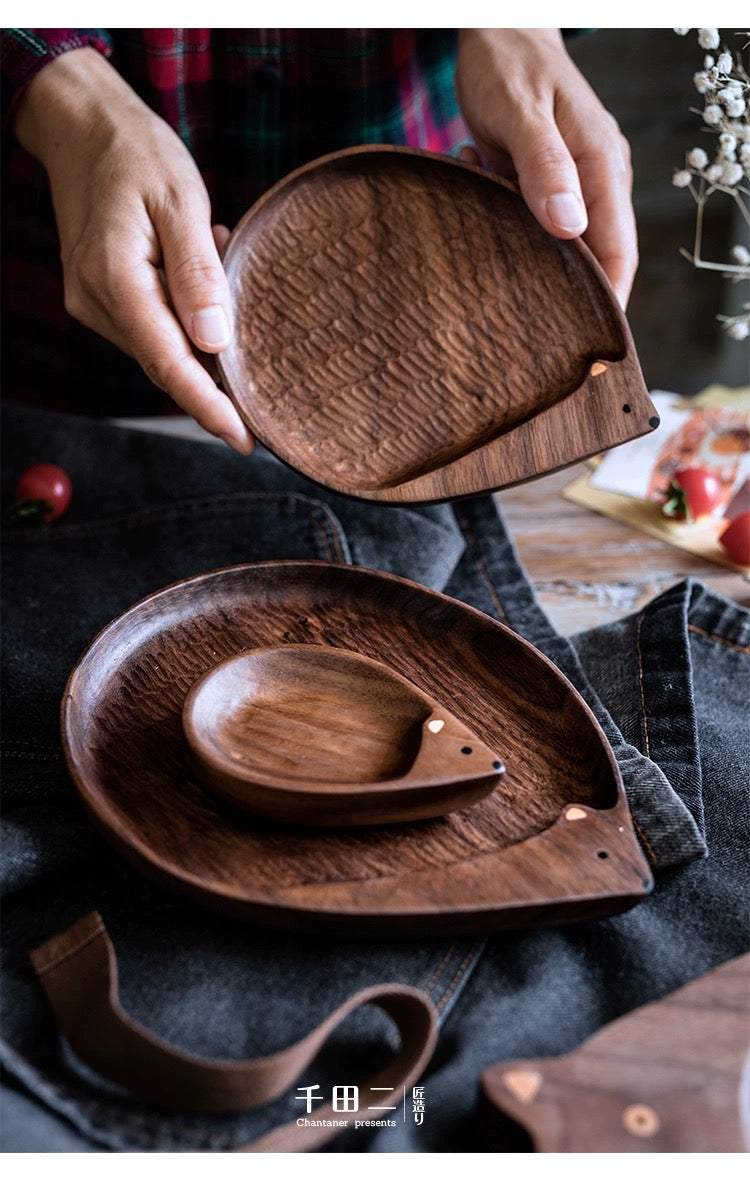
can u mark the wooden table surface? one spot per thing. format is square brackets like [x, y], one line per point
[588, 568]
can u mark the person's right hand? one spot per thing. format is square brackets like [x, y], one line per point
[140, 259]
[535, 118]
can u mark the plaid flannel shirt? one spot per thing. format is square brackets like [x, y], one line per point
[250, 105]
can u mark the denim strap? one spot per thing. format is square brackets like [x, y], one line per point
[78, 971]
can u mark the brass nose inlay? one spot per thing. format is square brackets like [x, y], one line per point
[641, 1120]
[574, 813]
[523, 1083]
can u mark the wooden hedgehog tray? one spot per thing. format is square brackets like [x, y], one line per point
[549, 840]
[407, 332]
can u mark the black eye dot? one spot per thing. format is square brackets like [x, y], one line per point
[626, 408]
[602, 854]
[466, 750]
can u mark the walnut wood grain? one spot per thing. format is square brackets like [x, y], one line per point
[515, 858]
[406, 331]
[321, 736]
[663, 1078]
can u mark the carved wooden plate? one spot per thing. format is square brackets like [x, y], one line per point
[553, 842]
[406, 331]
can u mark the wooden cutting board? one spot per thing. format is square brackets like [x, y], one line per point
[667, 1077]
[553, 842]
[406, 331]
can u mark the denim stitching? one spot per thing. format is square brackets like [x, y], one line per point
[333, 534]
[646, 843]
[473, 953]
[207, 504]
[329, 540]
[722, 641]
[641, 684]
[322, 537]
[432, 981]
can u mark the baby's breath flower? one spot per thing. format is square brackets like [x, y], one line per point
[739, 330]
[725, 86]
[708, 39]
[681, 32]
[731, 174]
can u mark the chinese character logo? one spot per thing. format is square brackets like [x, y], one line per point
[345, 1098]
[307, 1094]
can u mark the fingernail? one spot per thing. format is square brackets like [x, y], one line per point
[239, 439]
[567, 212]
[211, 328]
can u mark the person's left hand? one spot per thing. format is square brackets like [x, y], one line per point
[535, 119]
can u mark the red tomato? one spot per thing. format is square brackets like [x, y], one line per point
[693, 493]
[47, 485]
[736, 539]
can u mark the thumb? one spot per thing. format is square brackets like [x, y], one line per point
[197, 284]
[221, 237]
[548, 179]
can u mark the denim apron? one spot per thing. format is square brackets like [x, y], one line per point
[669, 685]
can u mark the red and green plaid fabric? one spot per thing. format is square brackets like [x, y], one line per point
[250, 104]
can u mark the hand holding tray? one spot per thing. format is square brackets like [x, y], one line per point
[406, 331]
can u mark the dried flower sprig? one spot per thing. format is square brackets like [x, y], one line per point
[724, 85]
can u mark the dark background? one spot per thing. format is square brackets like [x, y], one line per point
[645, 78]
